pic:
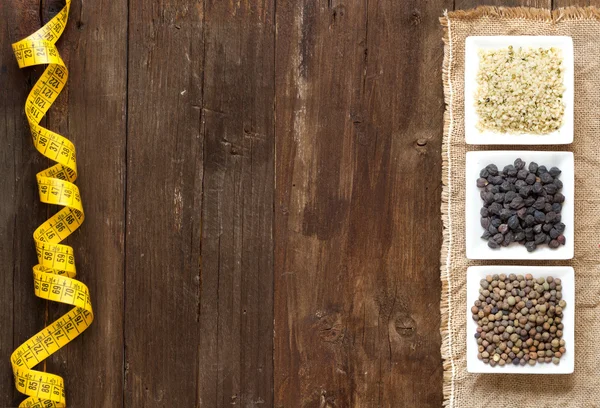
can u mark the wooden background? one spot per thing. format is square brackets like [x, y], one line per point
[261, 181]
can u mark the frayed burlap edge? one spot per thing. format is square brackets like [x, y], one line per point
[525, 13]
[568, 13]
[446, 348]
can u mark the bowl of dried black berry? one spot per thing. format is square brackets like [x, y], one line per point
[519, 205]
[520, 319]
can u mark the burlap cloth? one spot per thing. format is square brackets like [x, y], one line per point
[581, 389]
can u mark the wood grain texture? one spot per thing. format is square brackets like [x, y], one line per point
[94, 47]
[95, 358]
[261, 182]
[236, 309]
[164, 199]
[582, 3]
[21, 313]
[357, 227]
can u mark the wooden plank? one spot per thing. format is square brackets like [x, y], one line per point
[21, 313]
[466, 4]
[164, 199]
[91, 113]
[567, 3]
[357, 228]
[236, 310]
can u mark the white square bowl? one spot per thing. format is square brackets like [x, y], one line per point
[567, 277]
[477, 247]
[563, 135]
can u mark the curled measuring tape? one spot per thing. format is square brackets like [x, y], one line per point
[55, 272]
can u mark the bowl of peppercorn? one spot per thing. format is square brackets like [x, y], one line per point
[520, 319]
[519, 205]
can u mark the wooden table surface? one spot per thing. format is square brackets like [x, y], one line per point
[262, 190]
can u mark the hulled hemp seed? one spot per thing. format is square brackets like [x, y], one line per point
[520, 90]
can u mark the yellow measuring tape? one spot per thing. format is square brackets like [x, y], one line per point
[54, 275]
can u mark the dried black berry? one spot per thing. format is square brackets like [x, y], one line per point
[553, 244]
[524, 191]
[540, 238]
[513, 222]
[505, 214]
[533, 166]
[555, 172]
[529, 202]
[551, 217]
[550, 188]
[539, 217]
[521, 205]
[506, 186]
[495, 208]
[559, 198]
[509, 196]
[485, 222]
[558, 183]
[496, 180]
[492, 169]
[529, 234]
[519, 164]
[487, 197]
[546, 178]
[539, 203]
[517, 203]
[530, 179]
[510, 170]
[522, 174]
[529, 220]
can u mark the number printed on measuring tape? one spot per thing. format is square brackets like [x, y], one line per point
[54, 275]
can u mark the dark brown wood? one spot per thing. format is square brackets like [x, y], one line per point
[91, 113]
[21, 313]
[91, 365]
[236, 309]
[566, 3]
[358, 132]
[261, 181]
[164, 199]
[466, 4]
